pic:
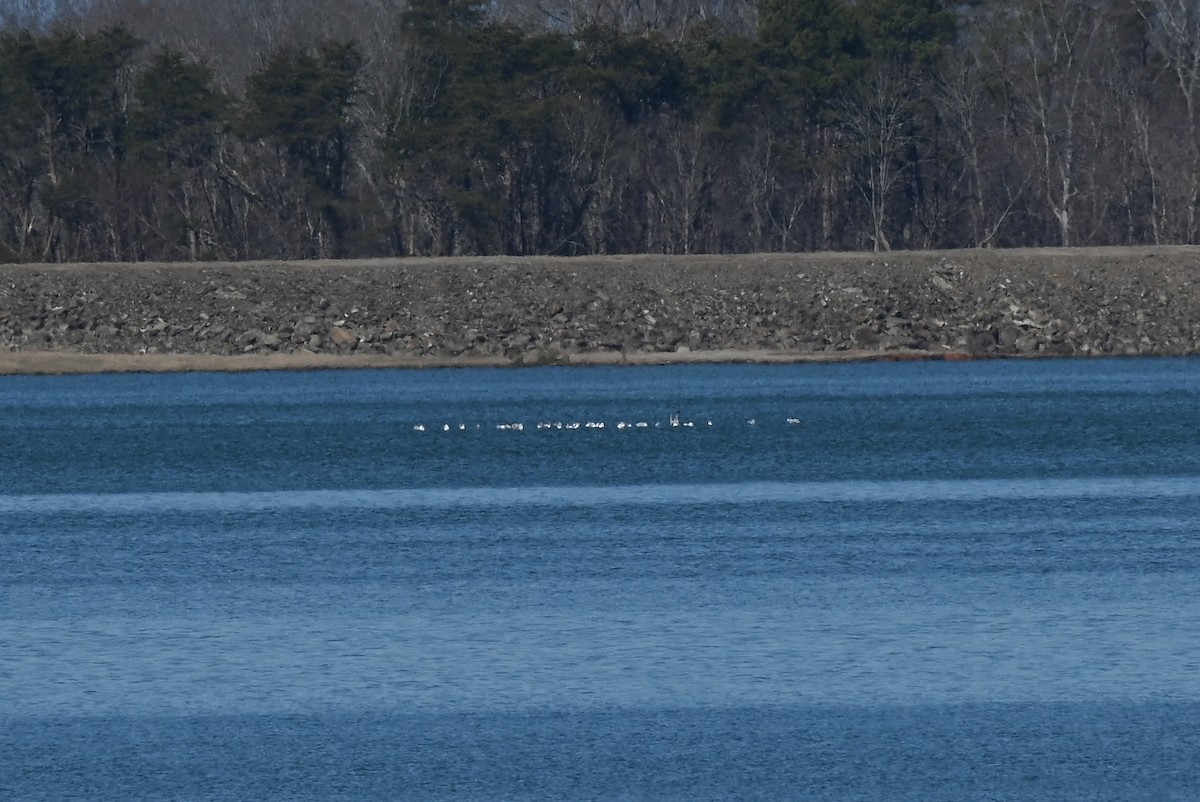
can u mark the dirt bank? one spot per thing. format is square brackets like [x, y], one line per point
[627, 309]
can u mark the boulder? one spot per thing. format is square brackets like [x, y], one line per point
[342, 337]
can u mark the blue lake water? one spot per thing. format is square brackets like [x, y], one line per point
[911, 581]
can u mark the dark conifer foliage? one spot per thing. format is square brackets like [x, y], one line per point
[298, 105]
[237, 129]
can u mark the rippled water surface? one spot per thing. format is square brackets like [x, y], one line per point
[876, 581]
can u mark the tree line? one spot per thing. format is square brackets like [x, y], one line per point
[252, 129]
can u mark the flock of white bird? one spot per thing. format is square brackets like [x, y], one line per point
[674, 422]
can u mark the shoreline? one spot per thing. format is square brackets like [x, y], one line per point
[60, 363]
[628, 310]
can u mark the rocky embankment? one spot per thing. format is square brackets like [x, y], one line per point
[524, 311]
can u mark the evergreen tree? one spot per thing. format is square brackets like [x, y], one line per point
[64, 102]
[178, 110]
[816, 46]
[173, 136]
[907, 32]
[300, 101]
[480, 136]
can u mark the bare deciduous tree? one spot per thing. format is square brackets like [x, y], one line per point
[879, 119]
[1175, 33]
[1048, 65]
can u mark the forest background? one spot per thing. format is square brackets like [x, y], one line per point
[171, 130]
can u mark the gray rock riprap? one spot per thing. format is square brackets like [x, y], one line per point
[1050, 302]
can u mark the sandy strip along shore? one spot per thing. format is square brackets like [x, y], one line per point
[62, 363]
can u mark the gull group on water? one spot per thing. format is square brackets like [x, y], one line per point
[675, 421]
